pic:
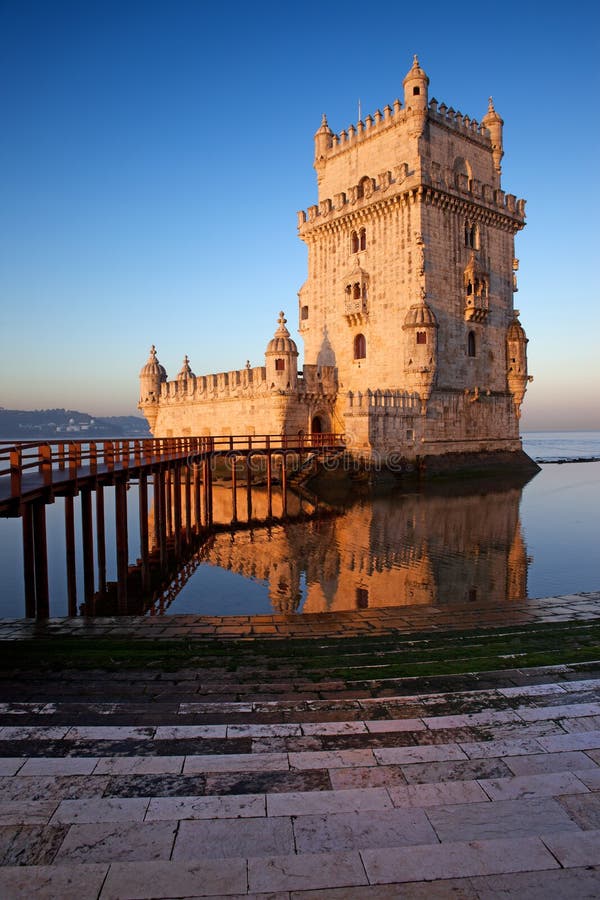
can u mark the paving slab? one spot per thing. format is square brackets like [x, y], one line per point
[501, 819]
[454, 860]
[163, 880]
[305, 872]
[49, 882]
[117, 842]
[335, 832]
[227, 838]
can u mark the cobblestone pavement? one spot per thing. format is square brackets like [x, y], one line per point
[390, 620]
[141, 785]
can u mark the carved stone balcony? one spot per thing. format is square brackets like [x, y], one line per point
[356, 309]
[476, 308]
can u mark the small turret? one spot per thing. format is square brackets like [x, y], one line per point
[185, 374]
[516, 362]
[420, 354]
[281, 359]
[152, 376]
[494, 123]
[323, 140]
[416, 86]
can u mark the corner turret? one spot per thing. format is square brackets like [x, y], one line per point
[516, 362]
[152, 376]
[323, 140]
[281, 359]
[416, 86]
[494, 123]
[420, 350]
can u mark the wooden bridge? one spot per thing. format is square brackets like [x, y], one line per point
[33, 474]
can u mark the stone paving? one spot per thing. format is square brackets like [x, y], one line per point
[390, 620]
[120, 785]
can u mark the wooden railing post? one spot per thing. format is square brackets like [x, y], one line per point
[45, 463]
[16, 472]
[93, 457]
[109, 454]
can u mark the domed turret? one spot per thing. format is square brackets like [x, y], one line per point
[416, 84]
[281, 359]
[323, 140]
[152, 376]
[185, 373]
[494, 123]
[420, 353]
[516, 362]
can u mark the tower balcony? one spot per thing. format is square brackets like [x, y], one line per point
[356, 309]
[476, 308]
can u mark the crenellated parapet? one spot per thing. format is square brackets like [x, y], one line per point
[236, 384]
[398, 401]
[436, 184]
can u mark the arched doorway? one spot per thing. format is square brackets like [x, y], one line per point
[319, 427]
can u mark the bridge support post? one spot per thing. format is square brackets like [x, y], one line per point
[283, 485]
[233, 462]
[143, 513]
[87, 536]
[28, 561]
[188, 504]
[100, 539]
[70, 555]
[40, 551]
[197, 513]
[168, 500]
[122, 543]
[176, 481]
[249, 487]
[269, 485]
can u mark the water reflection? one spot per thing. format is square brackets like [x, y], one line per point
[436, 545]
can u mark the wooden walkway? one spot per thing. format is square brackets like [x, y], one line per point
[33, 474]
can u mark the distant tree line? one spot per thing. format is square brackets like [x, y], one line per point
[21, 424]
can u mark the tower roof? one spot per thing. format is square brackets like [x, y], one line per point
[324, 127]
[152, 367]
[415, 72]
[420, 315]
[516, 332]
[185, 372]
[281, 342]
[491, 114]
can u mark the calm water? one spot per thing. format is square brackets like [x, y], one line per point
[500, 539]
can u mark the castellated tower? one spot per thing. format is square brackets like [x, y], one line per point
[412, 347]
[410, 278]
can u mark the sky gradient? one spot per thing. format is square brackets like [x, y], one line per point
[154, 155]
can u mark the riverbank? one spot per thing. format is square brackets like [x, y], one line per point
[297, 768]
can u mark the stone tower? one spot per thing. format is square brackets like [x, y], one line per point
[410, 278]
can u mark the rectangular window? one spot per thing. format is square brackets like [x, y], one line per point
[279, 365]
[304, 312]
[421, 337]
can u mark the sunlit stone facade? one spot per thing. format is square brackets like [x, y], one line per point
[412, 345]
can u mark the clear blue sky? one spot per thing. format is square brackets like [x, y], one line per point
[153, 156]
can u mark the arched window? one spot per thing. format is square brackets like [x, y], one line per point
[356, 291]
[471, 236]
[354, 243]
[360, 347]
[471, 347]
[421, 337]
[363, 239]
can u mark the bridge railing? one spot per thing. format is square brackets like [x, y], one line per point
[73, 458]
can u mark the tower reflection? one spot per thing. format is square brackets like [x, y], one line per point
[438, 545]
